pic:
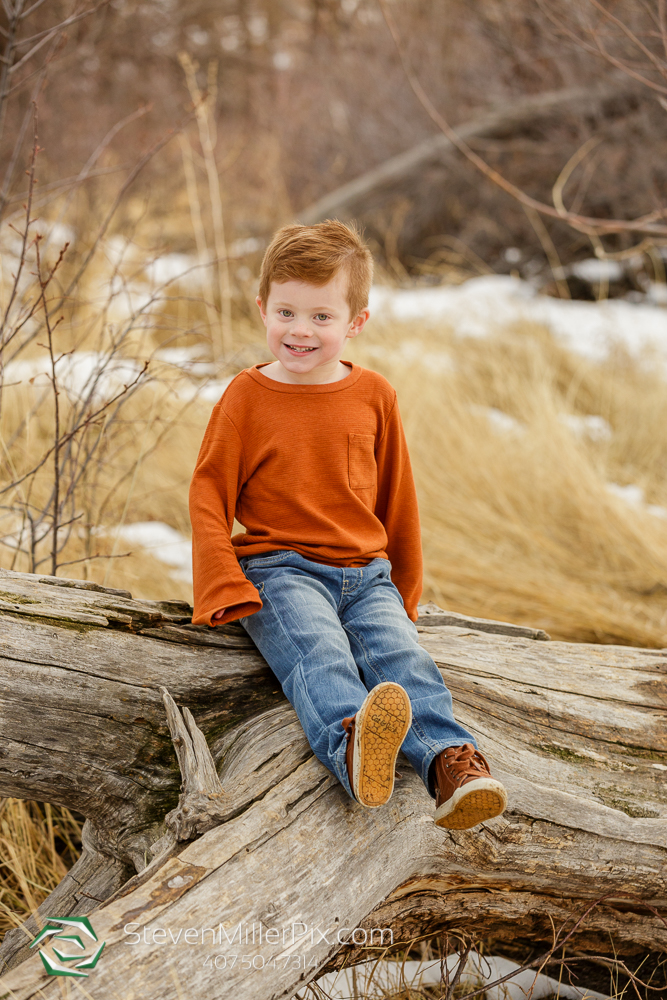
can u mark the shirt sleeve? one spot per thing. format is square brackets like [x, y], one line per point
[398, 511]
[218, 580]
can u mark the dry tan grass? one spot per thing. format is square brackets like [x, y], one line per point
[37, 846]
[520, 525]
[516, 525]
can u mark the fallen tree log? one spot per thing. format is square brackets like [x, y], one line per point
[284, 867]
[497, 122]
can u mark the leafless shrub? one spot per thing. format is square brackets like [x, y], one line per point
[76, 342]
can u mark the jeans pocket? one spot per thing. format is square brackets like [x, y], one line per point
[268, 559]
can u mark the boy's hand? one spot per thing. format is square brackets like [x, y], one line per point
[235, 610]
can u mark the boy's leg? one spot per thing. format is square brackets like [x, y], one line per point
[299, 633]
[444, 754]
[384, 644]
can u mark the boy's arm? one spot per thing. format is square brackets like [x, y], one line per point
[397, 508]
[218, 580]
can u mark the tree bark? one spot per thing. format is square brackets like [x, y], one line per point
[90, 682]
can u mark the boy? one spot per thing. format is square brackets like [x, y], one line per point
[308, 452]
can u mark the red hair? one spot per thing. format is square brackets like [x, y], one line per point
[316, 254]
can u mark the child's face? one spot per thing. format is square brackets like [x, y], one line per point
[308, 326]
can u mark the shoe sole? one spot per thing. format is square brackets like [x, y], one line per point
[478, 800]
[382, 724]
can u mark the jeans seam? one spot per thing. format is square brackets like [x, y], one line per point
[298, 659]
[284, 631]
[343, 592]
[261, 562]
[416, 728]
[367, 657]
[340, 759]
[358, 586]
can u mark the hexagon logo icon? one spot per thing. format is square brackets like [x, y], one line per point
[70, 931]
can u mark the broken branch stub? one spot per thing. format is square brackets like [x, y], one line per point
[200, 806]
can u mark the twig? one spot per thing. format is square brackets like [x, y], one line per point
[544, 959]
[134, 173]
[463, 958]
[205, 109]
[85, 171]
[630, 35]
[584, 224]
[50, 329]
[98, 555]
[24, 240]
[550, 250]
[70, 434]
[18, 144]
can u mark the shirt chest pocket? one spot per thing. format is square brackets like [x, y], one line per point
[361, 459]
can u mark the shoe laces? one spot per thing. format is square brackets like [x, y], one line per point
[464, 762]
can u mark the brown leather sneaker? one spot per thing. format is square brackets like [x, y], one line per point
[374, 737]
[465, 792]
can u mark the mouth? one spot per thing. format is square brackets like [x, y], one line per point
[299, 350]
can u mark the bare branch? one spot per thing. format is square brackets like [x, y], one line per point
[26, 13]
[43, 285]
[597, 49]
[24, 244]
[584, 224]
[18, 144]
[630, 35]
[70, 434]
[662, 18]
[98, 555]
[542, 960]
[49, 32]
[134, 173]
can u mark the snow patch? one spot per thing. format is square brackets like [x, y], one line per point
[657, 292]
[501, 422]
[163, 542]
[634, 496]
[481, 305]
[172, 267]
[379, 979]
[412, 351]
[594, 270]
[590, 426]
[83, 375]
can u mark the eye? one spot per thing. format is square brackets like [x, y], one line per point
[322, 317]
[284, 312]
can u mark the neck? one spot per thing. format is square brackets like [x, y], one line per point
[318, 376]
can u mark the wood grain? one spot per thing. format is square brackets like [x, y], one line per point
[577, 732]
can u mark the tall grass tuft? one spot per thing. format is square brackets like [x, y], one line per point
[519, 448]
[38, 844]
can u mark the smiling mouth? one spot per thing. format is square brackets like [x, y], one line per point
[300, 350]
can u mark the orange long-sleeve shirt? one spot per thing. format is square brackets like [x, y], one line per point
[320, 469]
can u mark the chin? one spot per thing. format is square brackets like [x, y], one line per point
[299, 362]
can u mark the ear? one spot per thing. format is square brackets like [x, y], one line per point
[262, 313]
[358, 323]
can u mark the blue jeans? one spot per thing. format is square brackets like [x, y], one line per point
[330, 634]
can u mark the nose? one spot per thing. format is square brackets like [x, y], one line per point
[301, 329]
